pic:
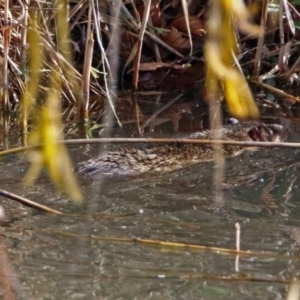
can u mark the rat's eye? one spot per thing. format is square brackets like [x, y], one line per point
[233, 121]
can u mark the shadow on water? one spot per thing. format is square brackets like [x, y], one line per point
[72, 257]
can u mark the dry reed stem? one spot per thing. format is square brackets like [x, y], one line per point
[187, 22]
[260, 41]
[86, 77]
[137, 50]
[155, 141]
[6, 42]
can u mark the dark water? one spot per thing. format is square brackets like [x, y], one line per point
[91, 253]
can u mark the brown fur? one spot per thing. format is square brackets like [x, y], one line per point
[167, 157]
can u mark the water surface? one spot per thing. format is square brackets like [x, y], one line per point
[91, 253]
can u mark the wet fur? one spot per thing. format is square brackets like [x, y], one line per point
[167, 157]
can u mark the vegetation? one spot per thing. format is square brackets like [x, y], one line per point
[80, 53]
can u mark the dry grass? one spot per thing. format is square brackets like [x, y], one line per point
[57, 55]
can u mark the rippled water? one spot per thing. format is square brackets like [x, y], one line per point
[92, 253]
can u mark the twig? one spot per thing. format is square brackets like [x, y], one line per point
[177, 245]
[28, 202]
[237, 236]
[156, 141]
[275, 90]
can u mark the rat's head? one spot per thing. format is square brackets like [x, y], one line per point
[254, 131]
[267, 132]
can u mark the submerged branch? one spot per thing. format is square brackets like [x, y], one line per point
[28, 202]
